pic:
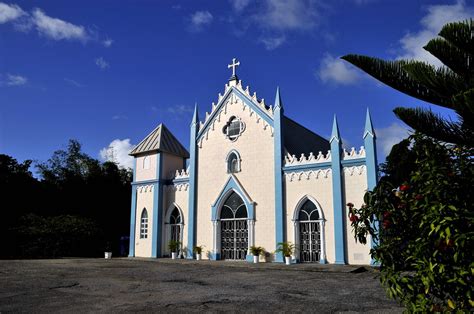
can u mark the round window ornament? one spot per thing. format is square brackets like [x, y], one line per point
[233, 128]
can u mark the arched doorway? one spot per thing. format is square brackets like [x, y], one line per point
[174, 224]
[234, 228]
[309, 230]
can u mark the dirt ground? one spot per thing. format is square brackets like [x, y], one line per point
[141, 285]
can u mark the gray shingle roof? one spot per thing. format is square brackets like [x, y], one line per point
[160, 140]
[298, 139]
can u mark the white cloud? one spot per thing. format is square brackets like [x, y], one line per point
[10, 12]
[287, 15]
[275, 20]
[337, 71]
[108, 42]
[239, 5]
[273, 42]
[437, 16]
[389, 136]
[180, 109]
[47, 26]
[13, 80]
[101, 63]
[200, 19]
[117, 151]
[73, 82]
[58, 29]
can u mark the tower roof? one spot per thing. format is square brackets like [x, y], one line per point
[160, 140]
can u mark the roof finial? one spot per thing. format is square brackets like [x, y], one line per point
[233, 65]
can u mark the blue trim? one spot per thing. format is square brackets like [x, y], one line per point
[182, 180]
[144, 182]
[371, 156]
[134, 177]
[338, 204]
[214, 256]
[318, 166]
[193, 160]
[354, 162]
[133, 217]
[265, 116]
[278, 172]
[234, 185]
[157, 209]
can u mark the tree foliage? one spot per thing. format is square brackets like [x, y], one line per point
[451, 86]
[424, 203]
[76, 196]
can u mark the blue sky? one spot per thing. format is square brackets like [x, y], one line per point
[107, 72]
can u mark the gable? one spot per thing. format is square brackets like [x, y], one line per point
[259, 108]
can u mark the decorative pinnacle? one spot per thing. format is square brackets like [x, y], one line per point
[278, 102]
[233, 65]
[335, 131]
[195, 115]
[369, 129]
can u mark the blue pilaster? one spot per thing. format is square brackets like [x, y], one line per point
[157, 208]
[193, 159]
[278, 153]
[371, 163]
[338, 204]
[133, 214]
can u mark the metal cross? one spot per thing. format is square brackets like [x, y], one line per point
[233, 65]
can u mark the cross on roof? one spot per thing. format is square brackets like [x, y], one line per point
[233, 65]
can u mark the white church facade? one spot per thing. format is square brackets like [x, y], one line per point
[252, 176]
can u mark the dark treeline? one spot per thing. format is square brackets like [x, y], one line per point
[79, 206]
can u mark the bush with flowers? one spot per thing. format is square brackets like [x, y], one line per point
[421, 214]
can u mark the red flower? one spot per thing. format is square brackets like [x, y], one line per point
[353, 218]
[404, 187]
[350, 205]
[386, 214]
[386, 223]
[419, 197]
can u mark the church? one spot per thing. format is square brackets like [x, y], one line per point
[251, 176]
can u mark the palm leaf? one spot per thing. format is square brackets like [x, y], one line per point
[392, 74]
[459, 61]
[442, 81]
[433, 125]
[460, 34]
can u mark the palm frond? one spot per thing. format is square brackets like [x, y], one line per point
[435, 126]
[392, 74]
[460, 34]
[459, 61]
[441, 81]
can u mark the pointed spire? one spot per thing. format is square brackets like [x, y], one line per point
[195, 115]
[335, 131]
[369, 129]
[278, 102]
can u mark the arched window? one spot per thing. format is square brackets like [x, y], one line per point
[144, 224]
[308, 212]
[233, 163]
[146, 162]
[233, 207]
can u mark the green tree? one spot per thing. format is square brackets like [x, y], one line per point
[426, 235]
[451, 86]
[420, 212]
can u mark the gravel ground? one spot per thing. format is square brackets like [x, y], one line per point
[142, 285]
